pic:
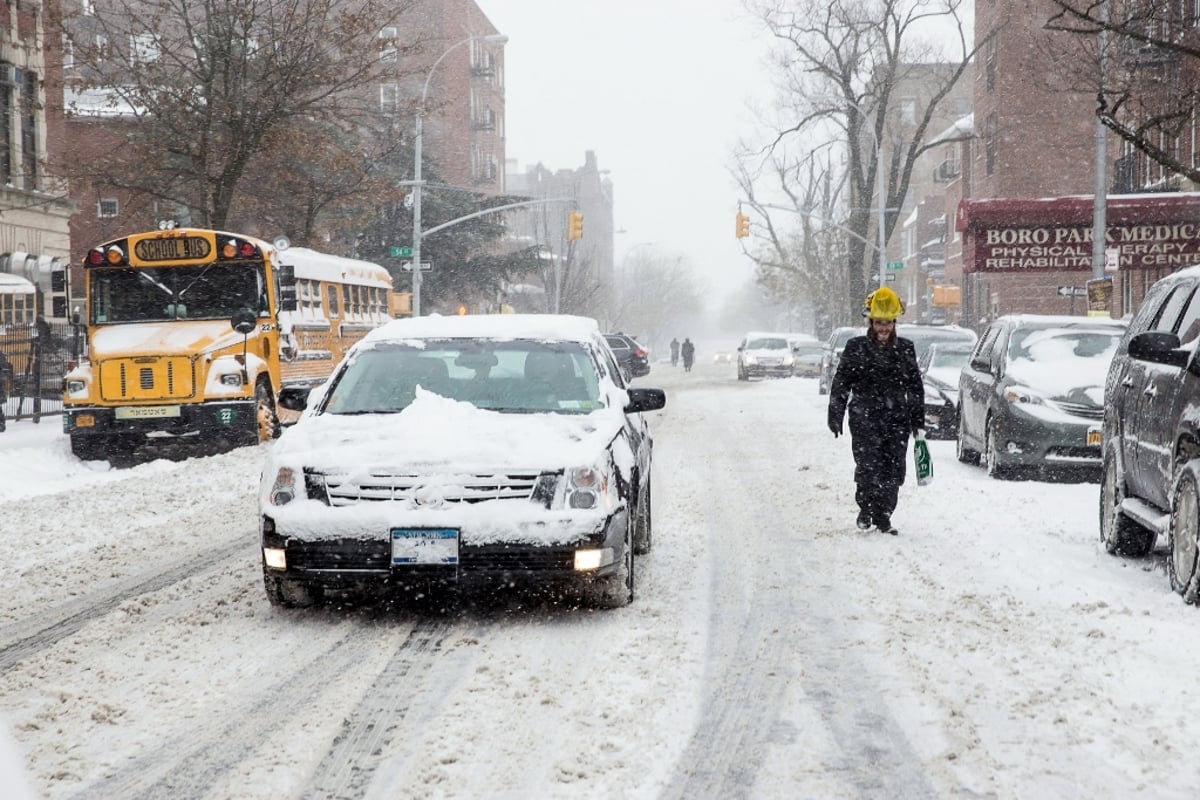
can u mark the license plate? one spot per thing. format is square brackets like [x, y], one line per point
[1094, 436]
[146, 412]
[424, 546]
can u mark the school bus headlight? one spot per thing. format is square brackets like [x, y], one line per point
[75, 387]
[231, 379]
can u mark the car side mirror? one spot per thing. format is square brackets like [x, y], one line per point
[294, 398]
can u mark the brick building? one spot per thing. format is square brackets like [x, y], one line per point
[34, 208]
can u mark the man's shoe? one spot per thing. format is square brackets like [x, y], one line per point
[864, 521]
[885, 526]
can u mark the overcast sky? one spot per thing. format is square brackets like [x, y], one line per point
[660, 90]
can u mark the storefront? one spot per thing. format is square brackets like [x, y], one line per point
[1035, 255]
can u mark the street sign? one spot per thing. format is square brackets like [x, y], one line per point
[895, 265]
[1072, 291]
[426, 266]
[400, 252]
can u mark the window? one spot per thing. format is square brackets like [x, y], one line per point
[388, 98]
[387, 44]
[989, 136]
[333, 300]
[107, 208]
[89, 7]
[908, 111]
[990, 68]
[143, 48]
[29, 124]
[68, 52]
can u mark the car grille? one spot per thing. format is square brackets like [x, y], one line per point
[1081, 410]
[427, 490]
[361, 555]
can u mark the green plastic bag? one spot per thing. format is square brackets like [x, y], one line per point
[922, 461]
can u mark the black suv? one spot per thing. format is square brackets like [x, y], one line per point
[632, 357]
[1151, 438]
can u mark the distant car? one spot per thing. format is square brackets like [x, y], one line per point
[806, 355]
[1031, 396]
[722, 357]
[940, 366]
[494, 448]
[762, 355]
[634, 358]
[831, 351]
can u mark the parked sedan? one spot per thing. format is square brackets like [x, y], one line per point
[807, 355]
[764, 355]
[632, 357]
[941, 364]
[449, 449]
[1031, 397]
[831, 352]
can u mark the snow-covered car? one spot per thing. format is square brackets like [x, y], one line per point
[445, 449]
[806, 355]
[722, 357]
[762, 355]
[940, 366]
[832, 353]
[1031, 396]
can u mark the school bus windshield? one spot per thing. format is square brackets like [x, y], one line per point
[154, 294]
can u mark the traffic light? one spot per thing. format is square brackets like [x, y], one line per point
[575, 225]
[743, 225]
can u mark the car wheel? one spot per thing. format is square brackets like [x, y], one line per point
[1121, 535]
[266, 418]
[965, 454]
[288, 593]
[644, 538]
[616, 590]
[991, 442]
[1181, 534]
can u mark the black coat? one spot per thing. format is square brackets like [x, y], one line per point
[882, 385]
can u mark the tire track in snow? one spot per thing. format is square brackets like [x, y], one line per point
[201, 757]
[771, 626]
[47, 627]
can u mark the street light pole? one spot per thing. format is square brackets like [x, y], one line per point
[418, 183]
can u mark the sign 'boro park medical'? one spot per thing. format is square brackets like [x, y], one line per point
[1148, 231]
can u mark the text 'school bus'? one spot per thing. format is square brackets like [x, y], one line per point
[192, 334]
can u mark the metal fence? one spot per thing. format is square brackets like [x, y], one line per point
[37, 358]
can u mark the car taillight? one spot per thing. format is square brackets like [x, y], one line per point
[640, 352]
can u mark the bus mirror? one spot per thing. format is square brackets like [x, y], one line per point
[287, 298]
[287, 275]
[243, 321]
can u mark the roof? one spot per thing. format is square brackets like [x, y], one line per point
[15, 284]
[548, 327]
[314, 266]
[1061, 321]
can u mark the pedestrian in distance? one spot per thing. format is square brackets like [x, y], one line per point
[878, 379]
[689, 354]
[6, 379]
[674, 352]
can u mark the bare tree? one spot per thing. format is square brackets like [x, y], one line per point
[661, 293]
[1150, 90]
[841, 63]
[212, 88]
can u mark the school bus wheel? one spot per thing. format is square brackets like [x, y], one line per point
[268, 420]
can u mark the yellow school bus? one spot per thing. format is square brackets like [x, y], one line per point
[192, 334]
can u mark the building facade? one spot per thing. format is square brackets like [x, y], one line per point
[34, 207]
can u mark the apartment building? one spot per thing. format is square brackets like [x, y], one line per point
[34, 208]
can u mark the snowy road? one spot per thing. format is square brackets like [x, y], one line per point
[991, 650]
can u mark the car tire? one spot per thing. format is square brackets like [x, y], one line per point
[1120, 534]
[616, 590]
[964, 454]
[289, 593]
[992, 453]
[1182, 532]
[643, 538]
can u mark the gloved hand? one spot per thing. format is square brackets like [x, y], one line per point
[835, 428]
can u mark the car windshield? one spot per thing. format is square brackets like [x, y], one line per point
[948, 359]
[923, 336]
[766, 343]
[510, 376]
[807, 349]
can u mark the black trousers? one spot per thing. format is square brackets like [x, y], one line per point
[879, 444]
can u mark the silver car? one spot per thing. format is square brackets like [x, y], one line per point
[1031, 397]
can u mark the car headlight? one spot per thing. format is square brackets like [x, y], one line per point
[749, 360]
[283, 491]
[1023, 395]
[789, 361]
[587, 488]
